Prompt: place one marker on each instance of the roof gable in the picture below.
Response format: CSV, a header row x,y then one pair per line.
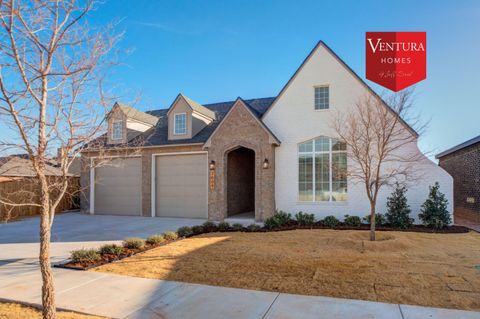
x,y
134,114
196,107
322,44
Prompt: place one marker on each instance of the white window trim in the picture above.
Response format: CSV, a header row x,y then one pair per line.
x,y
313,152
175,123
113,130
329,100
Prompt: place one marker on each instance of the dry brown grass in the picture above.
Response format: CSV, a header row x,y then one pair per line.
x,y
18,311
440,270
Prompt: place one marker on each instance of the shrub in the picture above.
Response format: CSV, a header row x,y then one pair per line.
x,y
197,229
253,227
278,219
434,211
84,255
330,221
134,243
352,221
398,211
155,239
170,235
184,231
237,227
223,226
305,218
110,249
379,219
209,226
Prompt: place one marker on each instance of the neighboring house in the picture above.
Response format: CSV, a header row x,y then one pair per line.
x,y
247,157
18,184
463,163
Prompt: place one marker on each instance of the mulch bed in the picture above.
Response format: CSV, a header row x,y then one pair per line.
x,y
109,258
292,225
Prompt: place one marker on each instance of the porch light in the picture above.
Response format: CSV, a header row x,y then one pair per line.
x,y
266,164
211,165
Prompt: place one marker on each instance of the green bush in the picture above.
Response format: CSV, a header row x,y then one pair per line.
x,y
253,227
305,218
184,231
237,227
170,235
223,226
352,221
155,239
209,227
434,211
279,218
330,221
84,255
379,219
134,243
197,229
110,249
398,211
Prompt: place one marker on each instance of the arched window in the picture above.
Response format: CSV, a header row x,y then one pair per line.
x,y
322,170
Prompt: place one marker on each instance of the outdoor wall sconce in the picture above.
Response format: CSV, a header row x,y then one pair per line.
x,y
211,166
266,164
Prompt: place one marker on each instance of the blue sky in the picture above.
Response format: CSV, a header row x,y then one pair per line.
x,y
217,50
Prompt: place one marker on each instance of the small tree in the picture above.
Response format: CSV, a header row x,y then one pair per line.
x,y
398,210
381,146
434,212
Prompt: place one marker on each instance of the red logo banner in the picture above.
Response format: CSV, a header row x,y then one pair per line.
x,y
396,60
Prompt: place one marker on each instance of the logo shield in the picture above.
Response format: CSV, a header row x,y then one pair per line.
x,y
396,60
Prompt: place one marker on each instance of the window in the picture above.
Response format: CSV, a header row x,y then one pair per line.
x,y
180,124
322,98
117,127
322,170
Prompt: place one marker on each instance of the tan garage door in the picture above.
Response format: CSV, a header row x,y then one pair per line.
x,y
181,186
118,187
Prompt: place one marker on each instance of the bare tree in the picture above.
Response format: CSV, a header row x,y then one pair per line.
x,y
381,146
52,65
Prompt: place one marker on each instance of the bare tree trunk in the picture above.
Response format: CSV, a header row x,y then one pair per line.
x,y
372,221
48,291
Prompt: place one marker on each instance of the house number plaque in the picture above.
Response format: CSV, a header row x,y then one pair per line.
x,y
212,180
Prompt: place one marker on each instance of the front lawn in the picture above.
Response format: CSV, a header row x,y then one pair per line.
x,y
18,311
440,270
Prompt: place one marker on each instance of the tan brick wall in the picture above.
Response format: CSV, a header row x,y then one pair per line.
x,y
241,129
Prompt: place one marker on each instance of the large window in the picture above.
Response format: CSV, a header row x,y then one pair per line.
x,y
117,127
322,98
180,125
322,170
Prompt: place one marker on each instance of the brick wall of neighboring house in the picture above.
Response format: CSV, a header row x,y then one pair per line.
x,y
146,154
464,166
241,129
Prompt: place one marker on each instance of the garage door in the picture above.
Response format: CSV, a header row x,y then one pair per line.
x,y
118,187
181,186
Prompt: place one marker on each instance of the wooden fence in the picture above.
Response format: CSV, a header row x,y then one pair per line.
x,y
26,190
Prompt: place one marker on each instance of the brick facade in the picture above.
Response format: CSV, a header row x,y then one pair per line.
x,y
464,166
241,129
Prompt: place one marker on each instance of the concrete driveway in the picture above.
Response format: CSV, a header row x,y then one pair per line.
x,y
19,240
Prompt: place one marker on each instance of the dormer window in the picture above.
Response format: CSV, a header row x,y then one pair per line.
x,y
180,124
117,127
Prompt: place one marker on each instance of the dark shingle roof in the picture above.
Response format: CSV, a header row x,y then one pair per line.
x,y
159,134
458,147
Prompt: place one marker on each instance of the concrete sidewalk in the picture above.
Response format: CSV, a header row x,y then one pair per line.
x,y
129,297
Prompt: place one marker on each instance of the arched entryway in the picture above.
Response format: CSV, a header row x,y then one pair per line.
x,y
241,183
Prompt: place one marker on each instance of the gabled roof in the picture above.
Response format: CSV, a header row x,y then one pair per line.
x,y
196,107
255,114
137,115
458,147
355,75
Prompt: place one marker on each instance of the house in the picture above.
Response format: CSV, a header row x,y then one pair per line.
x,y
18,184
463,163
246,157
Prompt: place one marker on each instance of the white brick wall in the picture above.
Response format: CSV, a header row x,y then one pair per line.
x,y
293,120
